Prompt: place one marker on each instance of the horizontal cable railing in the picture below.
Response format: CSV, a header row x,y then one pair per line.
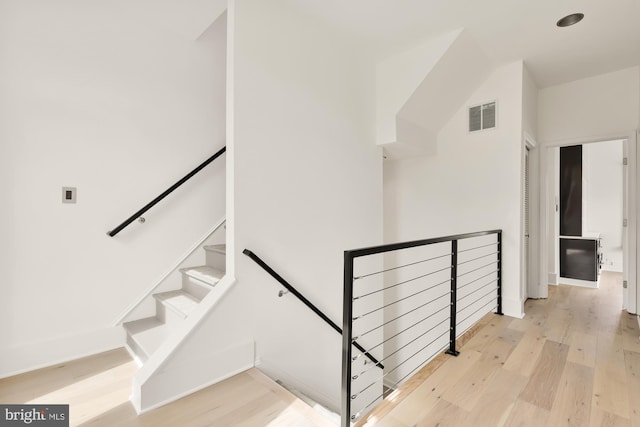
x,y
407,302
168,191
308,303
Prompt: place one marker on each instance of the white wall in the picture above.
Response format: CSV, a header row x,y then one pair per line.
x,y
447,86
602,168
308,185
119,100
397,78
592,107
472,184
418,91
529,104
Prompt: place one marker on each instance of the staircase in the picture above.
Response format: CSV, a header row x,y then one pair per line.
x,y
145,336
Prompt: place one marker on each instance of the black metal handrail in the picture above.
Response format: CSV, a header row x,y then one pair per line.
x,y
152,203
451,299
306,302
372,250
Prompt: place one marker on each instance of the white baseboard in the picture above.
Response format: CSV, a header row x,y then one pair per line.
x,y
512,307
616,268
552,278
27,357
581,283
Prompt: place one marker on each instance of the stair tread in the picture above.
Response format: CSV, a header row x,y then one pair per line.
x,y
204,273
148,333
222,248
179,300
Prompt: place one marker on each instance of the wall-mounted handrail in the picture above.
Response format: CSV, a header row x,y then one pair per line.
x,y
152,203
306,302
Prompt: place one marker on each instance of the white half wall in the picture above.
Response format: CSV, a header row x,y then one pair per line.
x,y
119,100
192,358
471,184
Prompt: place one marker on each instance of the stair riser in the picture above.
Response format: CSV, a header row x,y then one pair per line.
x,y
136,349
195,287
168,316
216,260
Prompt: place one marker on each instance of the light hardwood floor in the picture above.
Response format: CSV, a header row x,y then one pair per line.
x,y
573,360
97,389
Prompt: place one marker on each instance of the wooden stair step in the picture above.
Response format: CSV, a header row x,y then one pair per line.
x,y
204,273
221,249
145,336
180,301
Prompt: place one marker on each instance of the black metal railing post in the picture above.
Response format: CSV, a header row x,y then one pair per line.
x,y
454,299
499,309
347,336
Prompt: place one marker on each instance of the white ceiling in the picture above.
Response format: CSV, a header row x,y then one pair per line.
x,y
607,39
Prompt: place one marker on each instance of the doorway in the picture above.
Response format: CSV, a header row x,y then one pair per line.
x,y
618,238
527,210
531,239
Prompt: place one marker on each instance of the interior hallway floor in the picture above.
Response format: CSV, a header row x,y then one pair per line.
x,y
97,389
574,360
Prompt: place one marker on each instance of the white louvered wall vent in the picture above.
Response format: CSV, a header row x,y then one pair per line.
x,y
482,116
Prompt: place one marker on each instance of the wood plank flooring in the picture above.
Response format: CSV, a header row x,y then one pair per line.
x,y
97,389
574,360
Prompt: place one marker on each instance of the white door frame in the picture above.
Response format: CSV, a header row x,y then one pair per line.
x,y
546,204
529,285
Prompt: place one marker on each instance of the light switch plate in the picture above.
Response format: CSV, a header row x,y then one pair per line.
x,y
69,194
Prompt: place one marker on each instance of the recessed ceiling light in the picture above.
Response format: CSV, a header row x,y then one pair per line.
x,y
569,20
